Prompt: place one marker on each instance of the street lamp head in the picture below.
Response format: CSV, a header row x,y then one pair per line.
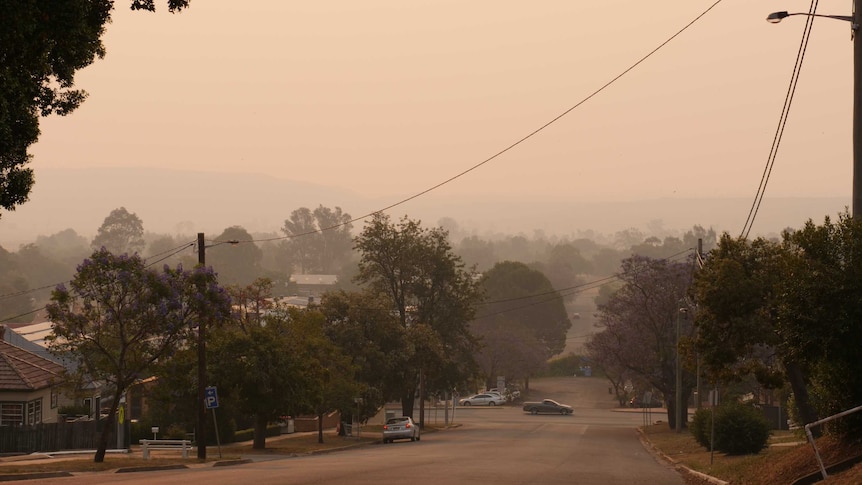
x,y
776,17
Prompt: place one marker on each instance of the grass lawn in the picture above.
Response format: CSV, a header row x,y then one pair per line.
x,y
282,445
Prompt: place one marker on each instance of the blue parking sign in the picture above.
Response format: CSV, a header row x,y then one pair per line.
x,y
211,399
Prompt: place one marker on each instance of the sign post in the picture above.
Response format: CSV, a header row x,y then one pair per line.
x,y
211,402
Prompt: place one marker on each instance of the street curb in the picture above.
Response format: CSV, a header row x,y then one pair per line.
x,y
677,465
154,468
241,461
33,476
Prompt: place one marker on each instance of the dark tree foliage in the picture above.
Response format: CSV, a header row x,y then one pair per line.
x,y
234,257
788,311
117,319
319,241
523,323
431,293
363,325
639,325
43,44
121,232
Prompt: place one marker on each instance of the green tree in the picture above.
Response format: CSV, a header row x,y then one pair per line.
x,y
787,312
43,272
523,323
42,46
235,263
477,252
65,246
14,288
363,325
121,232
318,241
277,367
336,239
432,294
118,318
638,326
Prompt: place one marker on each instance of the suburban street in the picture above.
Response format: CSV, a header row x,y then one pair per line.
x,y
500,445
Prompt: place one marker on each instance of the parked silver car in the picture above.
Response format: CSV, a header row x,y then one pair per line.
x,y
400,428
482,399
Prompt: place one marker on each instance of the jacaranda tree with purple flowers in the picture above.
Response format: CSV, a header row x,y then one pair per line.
x,y
118,318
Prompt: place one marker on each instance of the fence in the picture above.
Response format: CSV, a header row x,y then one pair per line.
x,y
46,437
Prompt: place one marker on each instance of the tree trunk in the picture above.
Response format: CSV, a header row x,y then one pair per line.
x,y
320,427
422,399
106,429
806,411
407,401
260,422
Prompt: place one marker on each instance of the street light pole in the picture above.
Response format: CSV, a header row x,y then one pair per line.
x,y
854,20
201,432
857,110
678,374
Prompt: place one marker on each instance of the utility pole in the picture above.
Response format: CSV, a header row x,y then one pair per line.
x,y
678,376
201,432
857,109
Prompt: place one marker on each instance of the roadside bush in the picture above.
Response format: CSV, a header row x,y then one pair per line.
x,y
740,429
700,426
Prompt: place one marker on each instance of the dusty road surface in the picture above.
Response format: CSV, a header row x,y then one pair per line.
x,y
499,445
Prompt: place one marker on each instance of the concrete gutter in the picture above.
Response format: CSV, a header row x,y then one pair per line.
x,y
677,465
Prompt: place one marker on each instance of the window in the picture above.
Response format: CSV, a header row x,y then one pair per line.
x,y
34,412
55,396
11,413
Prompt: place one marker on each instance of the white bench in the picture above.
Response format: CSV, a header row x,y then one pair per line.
x,y
147,445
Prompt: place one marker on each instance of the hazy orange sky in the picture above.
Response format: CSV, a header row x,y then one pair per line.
x,y
388,98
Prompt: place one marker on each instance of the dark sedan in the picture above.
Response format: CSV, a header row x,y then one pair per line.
x,y
547,406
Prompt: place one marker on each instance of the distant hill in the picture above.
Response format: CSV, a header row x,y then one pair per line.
x,y
185,202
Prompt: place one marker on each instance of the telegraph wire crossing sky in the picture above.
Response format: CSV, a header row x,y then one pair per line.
x,y
385,99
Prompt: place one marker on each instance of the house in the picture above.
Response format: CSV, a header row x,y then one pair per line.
x,y
313,286
29,387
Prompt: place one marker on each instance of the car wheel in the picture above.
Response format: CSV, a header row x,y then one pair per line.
x,y
418,437
413,438
534,411
491,403
384,441
466,403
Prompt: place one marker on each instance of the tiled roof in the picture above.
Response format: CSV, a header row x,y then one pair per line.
x,y
21,370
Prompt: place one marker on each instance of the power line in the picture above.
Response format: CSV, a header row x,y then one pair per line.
x,y
511,146
173,252
782,121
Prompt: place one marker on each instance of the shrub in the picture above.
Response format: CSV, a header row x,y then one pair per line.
x,y
739,428
700,426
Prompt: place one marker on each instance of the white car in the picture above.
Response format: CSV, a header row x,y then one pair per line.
x,y
483,399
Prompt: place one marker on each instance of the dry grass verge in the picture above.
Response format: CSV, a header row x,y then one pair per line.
x,y
782,463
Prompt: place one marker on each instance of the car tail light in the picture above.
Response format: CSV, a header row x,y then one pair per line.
x,y
406,425
385,426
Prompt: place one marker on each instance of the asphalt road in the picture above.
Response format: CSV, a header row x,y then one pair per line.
x,y
493,445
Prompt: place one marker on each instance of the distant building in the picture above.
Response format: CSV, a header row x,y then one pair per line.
x,y
313,285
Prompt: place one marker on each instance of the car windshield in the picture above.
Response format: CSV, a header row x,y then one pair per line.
x,y
396,420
